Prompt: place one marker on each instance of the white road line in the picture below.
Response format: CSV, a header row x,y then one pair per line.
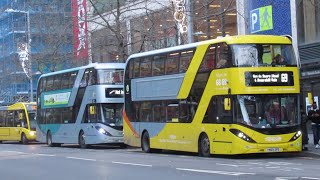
x,y
216,172
309,178
15,152
133,164
232,165
285,178
81,159
49,155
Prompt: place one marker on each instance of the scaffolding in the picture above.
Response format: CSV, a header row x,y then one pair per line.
x,y
20,22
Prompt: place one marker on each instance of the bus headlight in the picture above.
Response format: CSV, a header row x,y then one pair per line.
x,y
102,131
296,136
32,133
241,135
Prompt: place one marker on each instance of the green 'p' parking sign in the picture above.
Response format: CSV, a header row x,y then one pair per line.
x,y
261,19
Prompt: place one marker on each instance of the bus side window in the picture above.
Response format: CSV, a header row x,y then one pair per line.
x,y
223,57
85,79
158,65
65,80
146,112
145,67
57,82
185,60
72,79
92,77
172,63
136,68
208,62
173,111
49,85
22,118
130,72
2,118
159,112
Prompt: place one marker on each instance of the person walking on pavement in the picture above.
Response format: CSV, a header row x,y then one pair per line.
x,y
314,116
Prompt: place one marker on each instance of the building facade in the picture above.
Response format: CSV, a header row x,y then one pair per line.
x,y
137,26
33,40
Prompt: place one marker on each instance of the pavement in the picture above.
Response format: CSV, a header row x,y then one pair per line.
x,y
311,147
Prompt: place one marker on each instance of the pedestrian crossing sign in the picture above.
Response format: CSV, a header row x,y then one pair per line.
x,y
261,19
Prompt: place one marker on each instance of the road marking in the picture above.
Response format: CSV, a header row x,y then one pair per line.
x,y
49,155
133,164
286,178
216,172
81,159
15,152
232,165
309,178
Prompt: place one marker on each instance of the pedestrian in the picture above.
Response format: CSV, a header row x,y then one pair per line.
x,y
314,116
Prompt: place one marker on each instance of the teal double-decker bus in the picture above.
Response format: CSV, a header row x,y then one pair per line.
x,y
81,105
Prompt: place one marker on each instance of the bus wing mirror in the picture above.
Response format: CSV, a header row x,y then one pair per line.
x,y
227,104
92,110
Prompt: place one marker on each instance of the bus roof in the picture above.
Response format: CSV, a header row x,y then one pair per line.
x,y
92,65
241,39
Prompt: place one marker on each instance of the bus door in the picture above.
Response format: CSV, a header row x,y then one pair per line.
x,y
14,123
220,114
91,116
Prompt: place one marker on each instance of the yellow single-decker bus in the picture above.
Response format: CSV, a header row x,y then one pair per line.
x,y
17,122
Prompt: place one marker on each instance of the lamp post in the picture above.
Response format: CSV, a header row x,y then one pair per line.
x,y
28,71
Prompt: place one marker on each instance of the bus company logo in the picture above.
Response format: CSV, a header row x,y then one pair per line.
x,y
273,139
172,136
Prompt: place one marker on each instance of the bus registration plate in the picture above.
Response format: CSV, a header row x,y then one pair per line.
x,y
273,150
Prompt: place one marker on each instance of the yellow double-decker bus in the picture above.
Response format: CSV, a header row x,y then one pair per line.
x,y
231,95
17,122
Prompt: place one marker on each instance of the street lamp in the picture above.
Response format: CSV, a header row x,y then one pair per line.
x,y
27,57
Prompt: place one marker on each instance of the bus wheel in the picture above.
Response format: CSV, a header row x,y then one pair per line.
x,y
204,146
24,139
82,142
145,142
0,142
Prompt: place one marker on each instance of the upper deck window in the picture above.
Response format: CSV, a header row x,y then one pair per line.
x,y
110,76
251,55
185,60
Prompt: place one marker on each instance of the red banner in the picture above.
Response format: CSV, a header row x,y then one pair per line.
x,y
80,29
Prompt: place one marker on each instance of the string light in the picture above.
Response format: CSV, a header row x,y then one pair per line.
x,y
180,16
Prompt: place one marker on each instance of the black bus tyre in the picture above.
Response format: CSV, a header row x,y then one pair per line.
x,y
82,142
204,145
145,142
24,139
